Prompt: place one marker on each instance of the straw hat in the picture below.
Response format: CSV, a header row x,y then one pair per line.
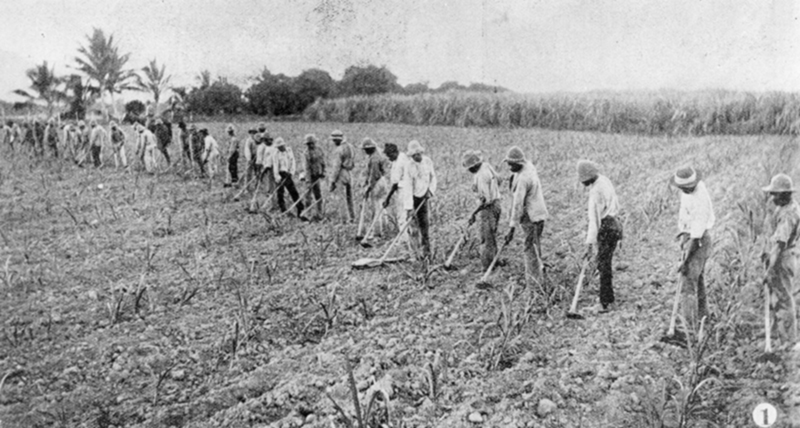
x,y
230,128
515,155
414,147
471,158
780,183
367,143
686,178
587,170
337,135
279,142
311,139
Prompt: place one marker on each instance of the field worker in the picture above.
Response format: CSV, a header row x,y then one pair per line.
x,y
233,155
527,210
784,223
284,167
118,146
147,147
51,136
186,150
197,144
485,183
16,135
315,171
163,132
250,155
423,183
400,179
343,163
375,184
98,139
8,134
604,231
268,154
210,153
695,220
38,136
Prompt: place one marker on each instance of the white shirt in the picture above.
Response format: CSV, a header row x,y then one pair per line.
x,y
211,147
485,183
602,203
265,155
696,214
284,162
401,175
248,154
423,177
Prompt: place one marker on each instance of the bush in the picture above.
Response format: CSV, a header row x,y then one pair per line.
x,y
219,97
133,111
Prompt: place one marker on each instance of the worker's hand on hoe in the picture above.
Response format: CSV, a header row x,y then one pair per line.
x,y
509,236
386,203
683,238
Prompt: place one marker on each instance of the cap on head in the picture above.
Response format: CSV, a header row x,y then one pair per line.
x,y
414,148
230,128
390,148
780,183
367,143
262,126
587,170
311,139
113,124
252,131
337,135
279,142
193,126
515,155
471,158
93,123
686,178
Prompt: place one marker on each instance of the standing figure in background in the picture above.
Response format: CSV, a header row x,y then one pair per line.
x,y
8,134
147,147
695,220
423,183
284,168
233,156
98,139
250,156
400,178
604,231
51,137
315,172
38,137
118,146
186,149
486,184
163,132
343,163
198,146
528,210
83,143
210,153
375,184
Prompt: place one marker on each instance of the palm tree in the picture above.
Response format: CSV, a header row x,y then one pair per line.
x,y
44,84
103,63
155,80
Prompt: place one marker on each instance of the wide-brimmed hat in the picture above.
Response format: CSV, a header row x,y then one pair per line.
x,y
311,139
414,147
780,183
587,170
230,128
261,126
471,158
279,142
367,143
113,124
337,135
686,178
515,155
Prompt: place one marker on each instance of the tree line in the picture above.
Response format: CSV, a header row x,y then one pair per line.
x,y
101,72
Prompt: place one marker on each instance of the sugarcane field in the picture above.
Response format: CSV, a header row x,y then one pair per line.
x,y
189,244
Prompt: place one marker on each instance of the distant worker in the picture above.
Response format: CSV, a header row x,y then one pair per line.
x,y
695,220
423,179
400,179
528,210
210,153
784,225
343,163
118,146
284,167
51,137
604,231
376,185
98,139
8,135
147,147
315,172
163,132
233,156
486,184
250,156
268,155
197,145
186,149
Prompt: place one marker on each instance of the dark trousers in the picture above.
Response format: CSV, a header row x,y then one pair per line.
x,y
489,217
163,150
233,167
53,147
348,193
423,224
96,155
288,185
607,238
533,248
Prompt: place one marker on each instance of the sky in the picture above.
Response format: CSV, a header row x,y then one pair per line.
x,y
524,45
